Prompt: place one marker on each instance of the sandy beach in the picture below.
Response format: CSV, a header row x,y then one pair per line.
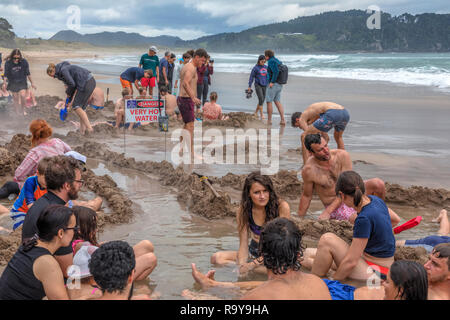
x,y
397,133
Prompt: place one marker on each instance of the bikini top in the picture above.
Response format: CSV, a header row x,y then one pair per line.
x,y
256,229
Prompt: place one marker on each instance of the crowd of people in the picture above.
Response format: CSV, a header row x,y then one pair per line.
x,y
59,232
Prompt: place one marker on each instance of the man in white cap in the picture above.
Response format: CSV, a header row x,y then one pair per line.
x,y
150,61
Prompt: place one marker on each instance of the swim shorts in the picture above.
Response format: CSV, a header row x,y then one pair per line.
x,y
428,242
125,83
340,291
342,213
381,271
274,94
337,118
82,97
186,107
148,82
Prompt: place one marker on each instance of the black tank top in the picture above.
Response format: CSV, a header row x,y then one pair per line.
x,y
18,281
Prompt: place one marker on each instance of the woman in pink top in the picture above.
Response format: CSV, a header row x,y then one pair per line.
x,y
212,110
43,146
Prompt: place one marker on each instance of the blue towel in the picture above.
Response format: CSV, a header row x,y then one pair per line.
x,y
340,291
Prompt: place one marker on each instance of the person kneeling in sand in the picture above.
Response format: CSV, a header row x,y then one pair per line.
x,y
320,117
259,204
212,110
281,254
320,173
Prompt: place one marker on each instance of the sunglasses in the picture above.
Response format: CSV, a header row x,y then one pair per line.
x,y
79,181
16,58
75,229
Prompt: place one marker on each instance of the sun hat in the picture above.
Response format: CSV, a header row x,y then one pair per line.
x,y
76,155
80,267
154,49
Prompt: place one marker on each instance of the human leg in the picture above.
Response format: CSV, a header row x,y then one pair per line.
x,y
281,111
444,225
338,138
331,249
224,257
269,112
84,121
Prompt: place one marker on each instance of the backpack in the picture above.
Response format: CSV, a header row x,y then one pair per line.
x,y
282,74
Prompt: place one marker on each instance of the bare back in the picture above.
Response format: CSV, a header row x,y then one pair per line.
x,y
189,71
313,112
295,285
324,178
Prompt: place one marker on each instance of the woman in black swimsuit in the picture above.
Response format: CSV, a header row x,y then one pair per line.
x,y
259,204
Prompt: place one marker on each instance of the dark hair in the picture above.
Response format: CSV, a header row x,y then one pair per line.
x,y
261,57
247,203
42,165
60,169
280,246
50,221
163,88
166,53
213,96
312,138
87,223
186,56
294,117
111,265
269,53
200,53
13,53
351,184
411,280
443,249
172,55
150,72
191,52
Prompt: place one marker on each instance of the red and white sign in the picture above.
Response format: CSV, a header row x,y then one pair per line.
x,y
143,110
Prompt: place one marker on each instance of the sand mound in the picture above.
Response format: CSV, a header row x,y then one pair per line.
x,y
7,162
417,254
8,246
236,120
316,228
417,196
13,153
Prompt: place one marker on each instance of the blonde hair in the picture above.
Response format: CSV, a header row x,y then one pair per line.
x,y
39,129
51,68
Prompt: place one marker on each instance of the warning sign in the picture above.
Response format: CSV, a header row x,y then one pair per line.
x,y
145,110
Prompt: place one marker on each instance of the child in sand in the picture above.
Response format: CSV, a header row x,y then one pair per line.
x,y
87,236
170,102
212,110
142,93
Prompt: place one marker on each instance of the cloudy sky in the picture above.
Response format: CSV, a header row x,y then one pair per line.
x,y
188,19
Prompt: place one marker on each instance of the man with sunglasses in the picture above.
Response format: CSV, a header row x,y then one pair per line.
x,y
17,70
63,180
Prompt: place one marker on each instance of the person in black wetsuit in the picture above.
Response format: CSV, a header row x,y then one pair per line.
x,y
259,205
33,272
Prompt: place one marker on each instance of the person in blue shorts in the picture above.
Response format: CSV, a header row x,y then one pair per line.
x,y
321,117
431,241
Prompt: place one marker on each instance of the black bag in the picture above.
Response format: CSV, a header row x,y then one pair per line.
x,y
282,74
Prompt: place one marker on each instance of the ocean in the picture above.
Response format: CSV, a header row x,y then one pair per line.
x,y
425,69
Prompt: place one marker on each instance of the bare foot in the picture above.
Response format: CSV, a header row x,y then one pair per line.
x,y
282,123
205,281
442,214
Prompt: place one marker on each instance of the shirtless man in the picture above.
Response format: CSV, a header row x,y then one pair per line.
x,y
170,101
119,107
280,245
320,117
320,174
188,93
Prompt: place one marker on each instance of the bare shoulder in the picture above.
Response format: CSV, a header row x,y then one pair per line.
x,y
340,153
308,170
284,209
320,291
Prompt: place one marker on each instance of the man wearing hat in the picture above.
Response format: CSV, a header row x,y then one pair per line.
x,y
150,61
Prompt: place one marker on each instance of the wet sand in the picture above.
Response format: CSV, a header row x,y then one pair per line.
x,y
148,198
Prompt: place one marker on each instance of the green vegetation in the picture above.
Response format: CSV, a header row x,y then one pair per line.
x,y
338,32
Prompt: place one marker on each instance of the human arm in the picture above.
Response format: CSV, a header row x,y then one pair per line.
x,y
27,167
69,81
326,214
252,77
47,270
28,189
395,219
351,259
308,188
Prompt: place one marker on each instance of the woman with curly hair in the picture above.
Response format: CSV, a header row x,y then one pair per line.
x,y
259,205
